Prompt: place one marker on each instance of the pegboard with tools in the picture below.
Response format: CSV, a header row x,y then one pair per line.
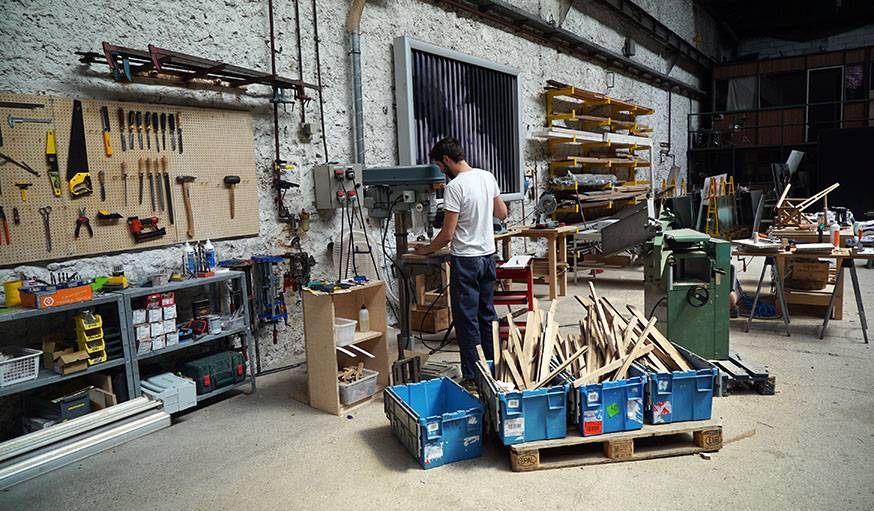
x,y
130,166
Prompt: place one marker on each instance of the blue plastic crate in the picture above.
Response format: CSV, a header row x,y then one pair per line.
x,y
523,416
679,395
611,406
437,421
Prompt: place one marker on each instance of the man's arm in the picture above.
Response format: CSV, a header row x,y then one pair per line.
x,y
500,208
450,222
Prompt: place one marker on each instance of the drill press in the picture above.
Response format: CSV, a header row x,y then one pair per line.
x,y
398,192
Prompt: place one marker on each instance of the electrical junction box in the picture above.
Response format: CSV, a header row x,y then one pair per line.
x,y
334,181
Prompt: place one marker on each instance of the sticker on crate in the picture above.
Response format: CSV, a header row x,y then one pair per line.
x,y
613,410
635,409
514,427
468,441
659,410
593,422
433,452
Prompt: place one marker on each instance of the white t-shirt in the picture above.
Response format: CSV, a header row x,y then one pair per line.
x,y
472,195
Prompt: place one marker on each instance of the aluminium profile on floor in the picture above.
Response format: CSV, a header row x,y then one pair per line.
x,y
108,434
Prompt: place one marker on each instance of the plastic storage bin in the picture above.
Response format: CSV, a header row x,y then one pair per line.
x,y
358,390
436,420
611,406
523,416
344,331
23,366
175,392
679,395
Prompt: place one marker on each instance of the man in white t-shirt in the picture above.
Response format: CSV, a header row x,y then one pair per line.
x,y
470,201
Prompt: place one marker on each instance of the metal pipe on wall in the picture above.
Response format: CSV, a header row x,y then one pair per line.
x,y
353,27
273,71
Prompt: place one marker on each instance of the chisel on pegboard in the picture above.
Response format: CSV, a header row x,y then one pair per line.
x,y
151,183
140,173
104,120
121,128
179,129
155,127
131,123
164,129
167,187
172,120
158,185
148,130
140,129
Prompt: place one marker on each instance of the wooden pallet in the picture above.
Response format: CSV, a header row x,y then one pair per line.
x,y
649,442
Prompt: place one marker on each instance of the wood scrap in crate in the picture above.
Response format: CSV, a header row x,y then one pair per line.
x,y
607,345
351,374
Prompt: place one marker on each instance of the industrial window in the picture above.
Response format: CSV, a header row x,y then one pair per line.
x,y
781,89
442,93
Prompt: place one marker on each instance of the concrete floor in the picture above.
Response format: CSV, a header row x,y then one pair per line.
x,y
812,448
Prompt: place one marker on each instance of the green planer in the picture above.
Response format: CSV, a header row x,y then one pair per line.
x,y
687,280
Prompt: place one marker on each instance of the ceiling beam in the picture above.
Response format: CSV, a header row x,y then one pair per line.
x,y
520,22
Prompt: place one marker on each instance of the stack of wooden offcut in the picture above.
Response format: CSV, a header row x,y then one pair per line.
x,y
607,345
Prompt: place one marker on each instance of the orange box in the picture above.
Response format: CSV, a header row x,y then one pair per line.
x,y
56,298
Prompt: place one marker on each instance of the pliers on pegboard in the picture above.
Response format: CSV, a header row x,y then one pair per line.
x,y
5,230
83,220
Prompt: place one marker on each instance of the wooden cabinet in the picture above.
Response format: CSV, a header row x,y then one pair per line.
x,y
324,361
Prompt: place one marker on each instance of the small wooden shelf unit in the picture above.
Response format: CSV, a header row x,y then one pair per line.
x,y
324,361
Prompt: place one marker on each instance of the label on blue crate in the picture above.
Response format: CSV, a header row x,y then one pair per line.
x,y
592,397
433,452
659,410
635,409
514,427
512,403
433,426
663,385
593,422
613,410
471,420
471,440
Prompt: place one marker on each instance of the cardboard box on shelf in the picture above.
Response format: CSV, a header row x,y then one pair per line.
x,y
101,399
155,315
139,316
168,299
170,311
169,326
158,342
172,338
144,346
72,362
157,328
143,332
51,351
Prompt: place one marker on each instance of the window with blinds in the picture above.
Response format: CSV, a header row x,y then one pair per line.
x,y
443,93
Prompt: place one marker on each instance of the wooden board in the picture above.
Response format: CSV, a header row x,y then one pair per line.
x,y
649,442
216,143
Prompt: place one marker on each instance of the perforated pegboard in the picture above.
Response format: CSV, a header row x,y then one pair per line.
x,y
216,143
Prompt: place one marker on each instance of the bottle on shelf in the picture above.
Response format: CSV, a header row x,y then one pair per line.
x,y
363,319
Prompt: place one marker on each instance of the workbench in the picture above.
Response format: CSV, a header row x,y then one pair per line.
x,y
816,298
555,272
832,295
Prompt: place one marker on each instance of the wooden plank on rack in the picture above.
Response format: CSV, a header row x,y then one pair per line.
x,y
594,376
561,367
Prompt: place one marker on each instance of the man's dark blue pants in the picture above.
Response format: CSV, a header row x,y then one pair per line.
x,y
472,291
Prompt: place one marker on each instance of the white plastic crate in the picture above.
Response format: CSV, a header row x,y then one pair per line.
x,y
344,331
23,366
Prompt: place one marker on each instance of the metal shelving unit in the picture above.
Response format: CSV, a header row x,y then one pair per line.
x,y
47,377
130,294
131,360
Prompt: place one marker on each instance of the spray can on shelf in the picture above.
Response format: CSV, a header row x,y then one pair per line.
x,y
189,259
209,256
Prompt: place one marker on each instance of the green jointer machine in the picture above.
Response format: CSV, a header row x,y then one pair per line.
x,y
687,280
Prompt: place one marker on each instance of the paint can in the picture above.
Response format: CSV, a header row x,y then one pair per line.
x,y
200,308
213,324
12,288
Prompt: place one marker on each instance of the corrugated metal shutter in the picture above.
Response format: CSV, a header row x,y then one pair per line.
x,y
476,105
